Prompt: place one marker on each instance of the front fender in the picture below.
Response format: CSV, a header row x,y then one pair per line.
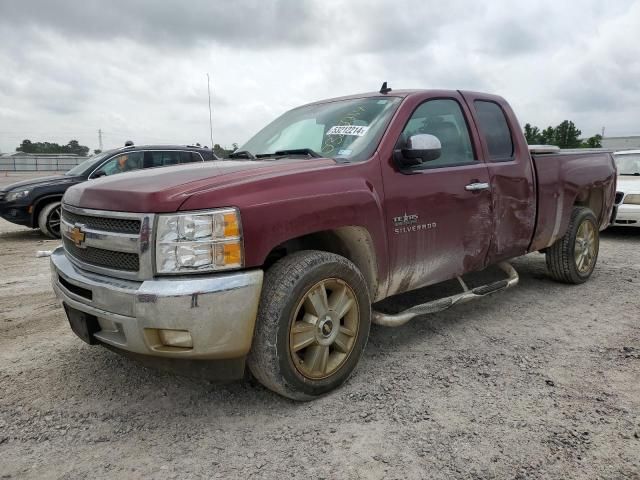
x,y
277,209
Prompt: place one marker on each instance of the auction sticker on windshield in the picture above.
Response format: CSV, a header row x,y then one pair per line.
x,y
355,130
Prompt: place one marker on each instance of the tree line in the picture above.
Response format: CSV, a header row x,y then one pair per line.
x,y
73,147
224,152
565,135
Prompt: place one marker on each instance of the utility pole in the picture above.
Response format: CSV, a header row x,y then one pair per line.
x,y
100,138
602,132
210,118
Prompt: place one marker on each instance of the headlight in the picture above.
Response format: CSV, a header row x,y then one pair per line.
x,y
199,242
17,195
633,199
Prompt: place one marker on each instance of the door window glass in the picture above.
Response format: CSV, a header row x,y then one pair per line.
x,y
443,119
124,162
190,157
495,129
164,158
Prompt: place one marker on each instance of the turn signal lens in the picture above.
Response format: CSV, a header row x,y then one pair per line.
x,y
232,254
231,226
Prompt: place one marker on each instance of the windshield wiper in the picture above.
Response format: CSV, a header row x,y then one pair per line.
x,y
636,174
242,154
293,151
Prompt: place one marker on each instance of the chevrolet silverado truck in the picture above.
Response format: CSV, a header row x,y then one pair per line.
x,y
275,258
35,203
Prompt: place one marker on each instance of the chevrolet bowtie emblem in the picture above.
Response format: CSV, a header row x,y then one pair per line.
x,y
76,235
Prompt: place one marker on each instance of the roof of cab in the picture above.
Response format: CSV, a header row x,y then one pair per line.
x,y
402,94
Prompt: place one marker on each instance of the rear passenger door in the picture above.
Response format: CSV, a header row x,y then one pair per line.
x,y
511,176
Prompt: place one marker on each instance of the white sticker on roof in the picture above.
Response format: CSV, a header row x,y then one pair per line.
x,y
355,130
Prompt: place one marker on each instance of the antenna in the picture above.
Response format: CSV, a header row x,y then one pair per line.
x,y
210,120
384,89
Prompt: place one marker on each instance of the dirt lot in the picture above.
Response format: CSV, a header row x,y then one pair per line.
x,y
542,381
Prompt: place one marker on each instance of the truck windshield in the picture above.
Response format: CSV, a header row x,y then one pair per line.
x,y
347,129
628,164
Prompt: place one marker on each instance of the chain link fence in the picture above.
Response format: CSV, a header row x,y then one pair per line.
x,y
37,163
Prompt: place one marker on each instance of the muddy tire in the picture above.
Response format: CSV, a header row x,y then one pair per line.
x,y
572,258
49,220
312,326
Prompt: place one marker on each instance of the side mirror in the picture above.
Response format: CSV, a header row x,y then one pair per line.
x,y
419,149
98,174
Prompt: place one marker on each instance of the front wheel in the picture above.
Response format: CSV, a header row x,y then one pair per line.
x,y
572,258
312,326
49,220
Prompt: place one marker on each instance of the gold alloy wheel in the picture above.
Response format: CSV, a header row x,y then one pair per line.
x,y
585,247
324,329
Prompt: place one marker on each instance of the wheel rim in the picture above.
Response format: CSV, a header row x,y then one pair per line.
x,y
324,328
585,246
53,222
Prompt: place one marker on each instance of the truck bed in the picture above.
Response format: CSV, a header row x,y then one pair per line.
x,y
566,178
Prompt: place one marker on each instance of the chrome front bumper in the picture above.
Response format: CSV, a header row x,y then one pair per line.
x,y
218,310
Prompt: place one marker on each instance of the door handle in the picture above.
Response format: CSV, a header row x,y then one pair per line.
x,y
475,187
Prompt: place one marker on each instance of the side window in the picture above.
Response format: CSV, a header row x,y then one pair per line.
x,y
163,159
124,162
495,129
443,119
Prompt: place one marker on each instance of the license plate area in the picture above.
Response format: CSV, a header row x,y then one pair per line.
x,y
83,324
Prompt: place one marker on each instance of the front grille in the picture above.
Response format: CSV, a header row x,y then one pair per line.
x,y
115,225
129,262
619,196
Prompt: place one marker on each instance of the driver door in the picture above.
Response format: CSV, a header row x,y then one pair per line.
x,y
439,215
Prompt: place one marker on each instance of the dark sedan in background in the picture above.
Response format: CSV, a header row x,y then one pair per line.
x,y
36,203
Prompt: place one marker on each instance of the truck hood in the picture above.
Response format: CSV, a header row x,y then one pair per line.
x,y
628,184
38,181
165,189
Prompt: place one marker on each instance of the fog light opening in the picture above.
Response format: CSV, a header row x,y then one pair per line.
x,y
175,338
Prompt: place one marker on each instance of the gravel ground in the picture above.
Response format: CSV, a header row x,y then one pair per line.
x,y
542,381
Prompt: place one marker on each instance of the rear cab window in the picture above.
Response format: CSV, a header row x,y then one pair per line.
x,y
494,128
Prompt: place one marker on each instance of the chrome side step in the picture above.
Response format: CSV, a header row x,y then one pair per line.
x,y
447,302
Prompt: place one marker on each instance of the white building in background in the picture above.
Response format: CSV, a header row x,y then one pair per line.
x,y
621,143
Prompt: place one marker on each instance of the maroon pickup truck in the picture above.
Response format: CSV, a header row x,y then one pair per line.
x,y
273,258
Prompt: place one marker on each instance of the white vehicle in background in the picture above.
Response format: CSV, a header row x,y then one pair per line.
x,y
627,201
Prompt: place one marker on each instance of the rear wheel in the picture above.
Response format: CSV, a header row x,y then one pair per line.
x,y
313,323
573,257
49,220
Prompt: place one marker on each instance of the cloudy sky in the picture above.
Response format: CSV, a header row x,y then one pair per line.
x,y
137,69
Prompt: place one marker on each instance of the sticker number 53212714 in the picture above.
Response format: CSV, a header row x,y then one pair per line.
x,y
355,130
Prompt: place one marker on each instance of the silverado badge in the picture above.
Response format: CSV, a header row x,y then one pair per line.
x,y
409,223
76,235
